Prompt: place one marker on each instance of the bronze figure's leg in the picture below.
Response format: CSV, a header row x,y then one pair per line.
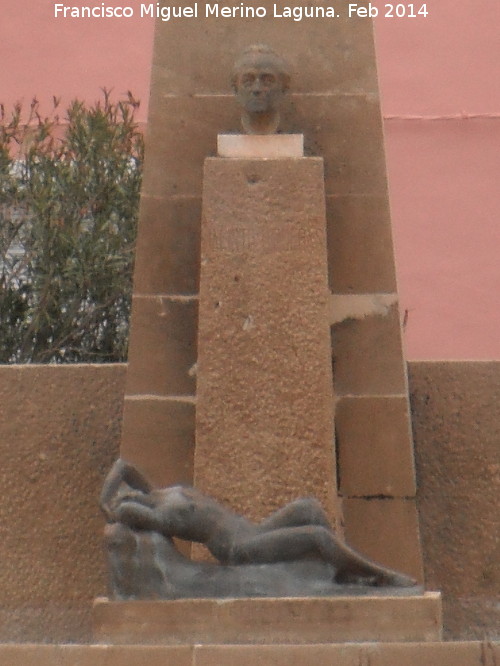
x,y
306,511
290,543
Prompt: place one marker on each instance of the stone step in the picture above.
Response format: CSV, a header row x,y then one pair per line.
x,y
269,620
341,654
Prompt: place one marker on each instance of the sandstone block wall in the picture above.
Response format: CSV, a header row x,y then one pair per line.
x,y
456,422
59,433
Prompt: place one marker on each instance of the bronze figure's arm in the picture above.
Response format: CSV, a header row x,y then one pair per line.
x,y
121,473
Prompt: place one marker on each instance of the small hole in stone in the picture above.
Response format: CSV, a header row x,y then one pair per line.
x,y
236,278
217,304
253,178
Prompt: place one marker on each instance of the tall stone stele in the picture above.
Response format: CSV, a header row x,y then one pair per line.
x,y
335,104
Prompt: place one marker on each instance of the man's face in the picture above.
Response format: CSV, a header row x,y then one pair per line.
x,y
258,86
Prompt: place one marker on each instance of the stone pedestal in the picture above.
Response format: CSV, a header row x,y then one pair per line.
x,y
282,622
264,413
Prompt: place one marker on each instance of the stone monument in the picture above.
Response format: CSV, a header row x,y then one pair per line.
x,y
334,103
264,423
262,297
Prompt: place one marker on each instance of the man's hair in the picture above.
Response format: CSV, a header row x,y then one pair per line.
x,y
254,51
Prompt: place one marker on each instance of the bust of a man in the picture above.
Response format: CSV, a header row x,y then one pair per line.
x,y
260,79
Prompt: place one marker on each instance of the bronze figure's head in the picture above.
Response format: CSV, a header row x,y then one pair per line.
x,y
260,79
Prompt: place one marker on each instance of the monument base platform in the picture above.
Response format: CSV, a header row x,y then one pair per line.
x,y
260,621
470,653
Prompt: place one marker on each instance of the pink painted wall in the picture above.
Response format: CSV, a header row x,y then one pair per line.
x,y
44,56
440,89
443,166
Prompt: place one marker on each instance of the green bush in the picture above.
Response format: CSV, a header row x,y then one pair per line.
x,y
69,195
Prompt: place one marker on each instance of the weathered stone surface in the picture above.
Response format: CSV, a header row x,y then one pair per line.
x,y
174,165
456,419
279,655
96,655
168,255
59,432
349,654
432,654
375,448
264,432
346,130
368,355
386,530
269,621
360,253
162,346
342,654
158,435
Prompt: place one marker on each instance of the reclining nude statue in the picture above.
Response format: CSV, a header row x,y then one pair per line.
x,y
294,552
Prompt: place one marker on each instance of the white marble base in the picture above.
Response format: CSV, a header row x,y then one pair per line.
x,y
270,146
